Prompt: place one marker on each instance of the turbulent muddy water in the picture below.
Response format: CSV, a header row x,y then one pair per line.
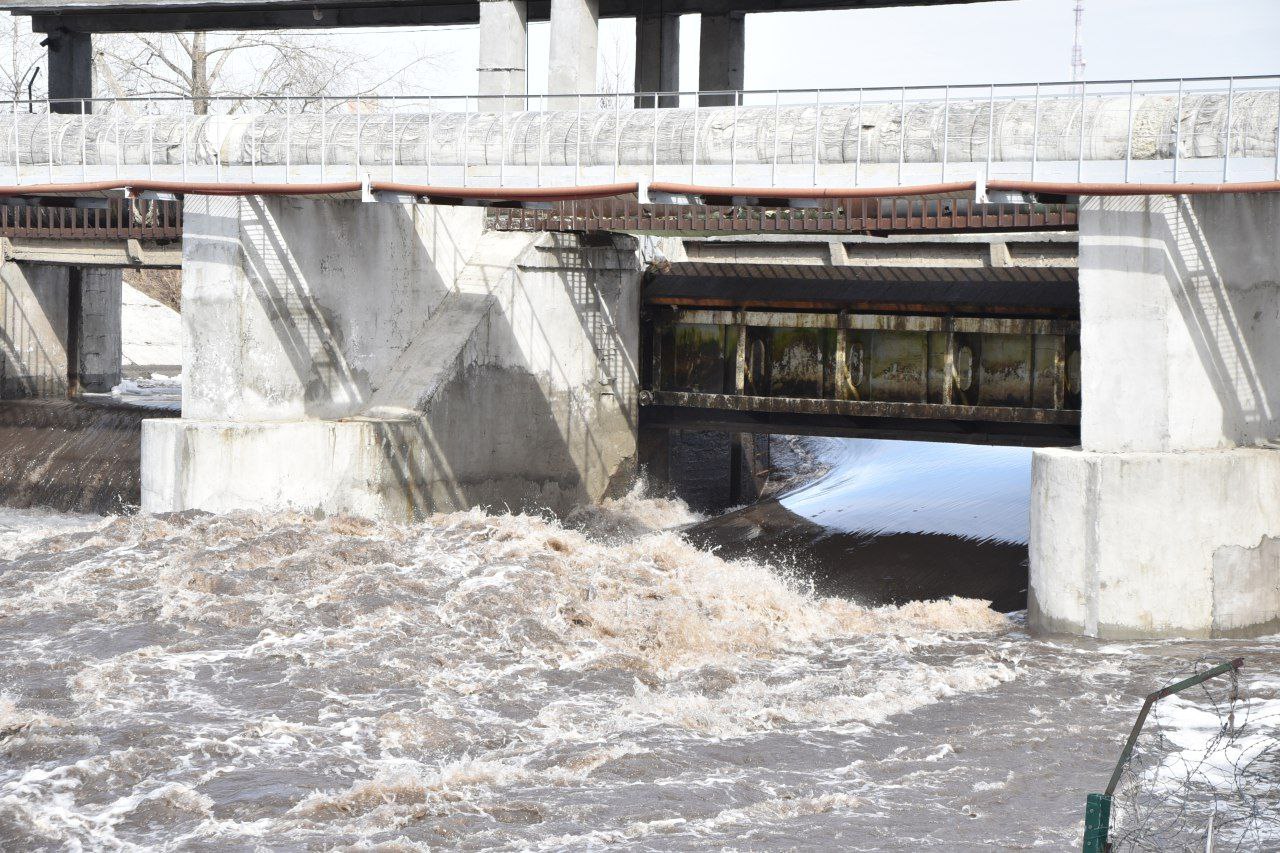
x,y
505,682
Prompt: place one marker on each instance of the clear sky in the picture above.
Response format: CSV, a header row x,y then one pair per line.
x,y
1007,41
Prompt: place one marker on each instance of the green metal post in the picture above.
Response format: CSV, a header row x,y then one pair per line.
x,y
1097,807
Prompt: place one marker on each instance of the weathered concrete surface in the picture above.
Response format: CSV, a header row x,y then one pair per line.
x,y
33,330
504,43
99,350
1155,544
394,360
1180,314
1163,523
42,327
575,35
722,46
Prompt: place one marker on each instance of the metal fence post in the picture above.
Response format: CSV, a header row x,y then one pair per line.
x,y
857,159
1128,141
817,132
653,176
1080,151
48,136
577,145
17,158
733,146
777,119
359,136
693,169
288,137
431,106
902,131
991,127
946,136
617,134
466,137
1226,149
1177,134
84,142
1277,172
1035,134
324,141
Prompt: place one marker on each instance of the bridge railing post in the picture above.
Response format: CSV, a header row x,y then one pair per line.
x,y
777,120
84,144
48,136
1080,150
1177,133
1226,144
1128,141
1035,133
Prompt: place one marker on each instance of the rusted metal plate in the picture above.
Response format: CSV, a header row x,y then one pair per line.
x,y
885,322
152,220
1004,370
860,408
832,216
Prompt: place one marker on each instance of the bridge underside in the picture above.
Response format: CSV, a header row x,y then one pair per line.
x,y
933,353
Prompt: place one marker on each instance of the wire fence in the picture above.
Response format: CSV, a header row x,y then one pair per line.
x,y
1190,130
1205,773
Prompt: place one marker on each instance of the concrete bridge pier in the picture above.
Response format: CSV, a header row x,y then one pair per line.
x,y
1166,522
392,360
59,329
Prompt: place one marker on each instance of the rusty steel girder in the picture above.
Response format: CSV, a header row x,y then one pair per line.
x,y
769,366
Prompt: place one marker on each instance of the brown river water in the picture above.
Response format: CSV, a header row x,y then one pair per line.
x,y
506,682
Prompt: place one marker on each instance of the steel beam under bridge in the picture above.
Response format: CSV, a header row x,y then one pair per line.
x,y
971,355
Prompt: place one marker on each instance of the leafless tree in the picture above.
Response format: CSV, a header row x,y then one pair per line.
x,y
222,72
22,70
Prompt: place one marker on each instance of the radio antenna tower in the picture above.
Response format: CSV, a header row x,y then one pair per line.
x,y
1077,50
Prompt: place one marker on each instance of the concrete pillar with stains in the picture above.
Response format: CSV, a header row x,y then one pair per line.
x,y
1166,521
721,57
575,34
504,45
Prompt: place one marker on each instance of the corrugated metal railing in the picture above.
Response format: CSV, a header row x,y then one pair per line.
x,y
860,215
112,219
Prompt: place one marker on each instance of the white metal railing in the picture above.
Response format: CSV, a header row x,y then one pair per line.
x,y
1188,130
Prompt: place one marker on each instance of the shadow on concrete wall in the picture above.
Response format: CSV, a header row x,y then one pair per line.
x,y
515,432
33,332
1219,257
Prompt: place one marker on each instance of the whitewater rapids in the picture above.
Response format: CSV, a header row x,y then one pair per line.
x,y
510,682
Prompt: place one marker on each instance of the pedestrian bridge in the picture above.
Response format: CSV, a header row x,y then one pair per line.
x,y
1142,131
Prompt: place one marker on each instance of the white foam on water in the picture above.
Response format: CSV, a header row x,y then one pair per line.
x,y
498,682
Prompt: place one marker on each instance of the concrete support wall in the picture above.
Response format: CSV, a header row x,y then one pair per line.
x,y
395,360
33,330
575,35
504,45
1165,521
657,57
70,71
721,56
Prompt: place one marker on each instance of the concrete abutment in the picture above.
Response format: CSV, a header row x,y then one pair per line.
x,y
394,360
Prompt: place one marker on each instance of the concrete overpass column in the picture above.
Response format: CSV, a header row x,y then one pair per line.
x,y
70,58
721,56
504,41
657,56
575,26
1166,522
